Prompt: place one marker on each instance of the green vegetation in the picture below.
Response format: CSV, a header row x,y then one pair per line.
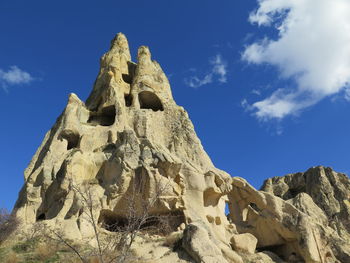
x,y
35,251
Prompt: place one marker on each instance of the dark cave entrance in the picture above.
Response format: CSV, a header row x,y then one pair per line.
x,y
41,217
128,100
282,251
129,77
149,100
106,117
161,224
72,138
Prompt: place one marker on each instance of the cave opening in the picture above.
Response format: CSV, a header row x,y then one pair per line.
x,y
149,100
73,141
129,77
293,192
72,138
41,217
128,100
255,207
105,117
162,224
278,249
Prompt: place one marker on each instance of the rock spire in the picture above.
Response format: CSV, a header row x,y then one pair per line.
x,y
130,136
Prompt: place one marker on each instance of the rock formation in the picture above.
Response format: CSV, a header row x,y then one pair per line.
x,y
324,196
131,137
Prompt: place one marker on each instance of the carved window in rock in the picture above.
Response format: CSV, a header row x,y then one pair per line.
x,y
72,138
105,117
128,78
41,217
149,100
128,100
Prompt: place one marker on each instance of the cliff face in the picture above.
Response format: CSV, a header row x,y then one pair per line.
x,y
323,195
130,137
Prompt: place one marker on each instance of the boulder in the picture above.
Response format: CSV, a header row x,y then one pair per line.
x,y
197,242
245,243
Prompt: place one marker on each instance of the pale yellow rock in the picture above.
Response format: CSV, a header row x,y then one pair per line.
x,y
294,228
321,193
265,257
130,132
129,128
245,243
198,243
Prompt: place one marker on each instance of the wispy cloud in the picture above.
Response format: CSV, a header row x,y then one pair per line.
x,y
245,105
14,76
217,73
196,82
347,94
219,68
256,92
312,49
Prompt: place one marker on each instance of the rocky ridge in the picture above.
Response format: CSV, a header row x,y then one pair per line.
x,y
130,136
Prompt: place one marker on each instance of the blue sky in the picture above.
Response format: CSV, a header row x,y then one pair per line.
x,y
267,91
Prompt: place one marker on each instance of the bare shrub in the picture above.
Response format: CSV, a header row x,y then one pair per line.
x,y
115,247
60,239
35,232
8,224
139,218
45,251
12,258
89,203
93,259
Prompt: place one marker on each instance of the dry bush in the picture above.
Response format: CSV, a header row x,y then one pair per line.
x,y
8,224
94,259
116,248
12,258
35,232
70,259
45,251
138,219
57,237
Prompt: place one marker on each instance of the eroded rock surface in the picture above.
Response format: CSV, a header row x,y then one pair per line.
x,y
129,133
324,196
130,137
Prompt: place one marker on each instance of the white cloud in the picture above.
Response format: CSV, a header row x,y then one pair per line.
x,y
244,103
256,92
195,82
219,68
347,93
312,48
217,73
14,76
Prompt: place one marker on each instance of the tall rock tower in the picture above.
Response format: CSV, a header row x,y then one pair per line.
x,y
130,137
130,129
